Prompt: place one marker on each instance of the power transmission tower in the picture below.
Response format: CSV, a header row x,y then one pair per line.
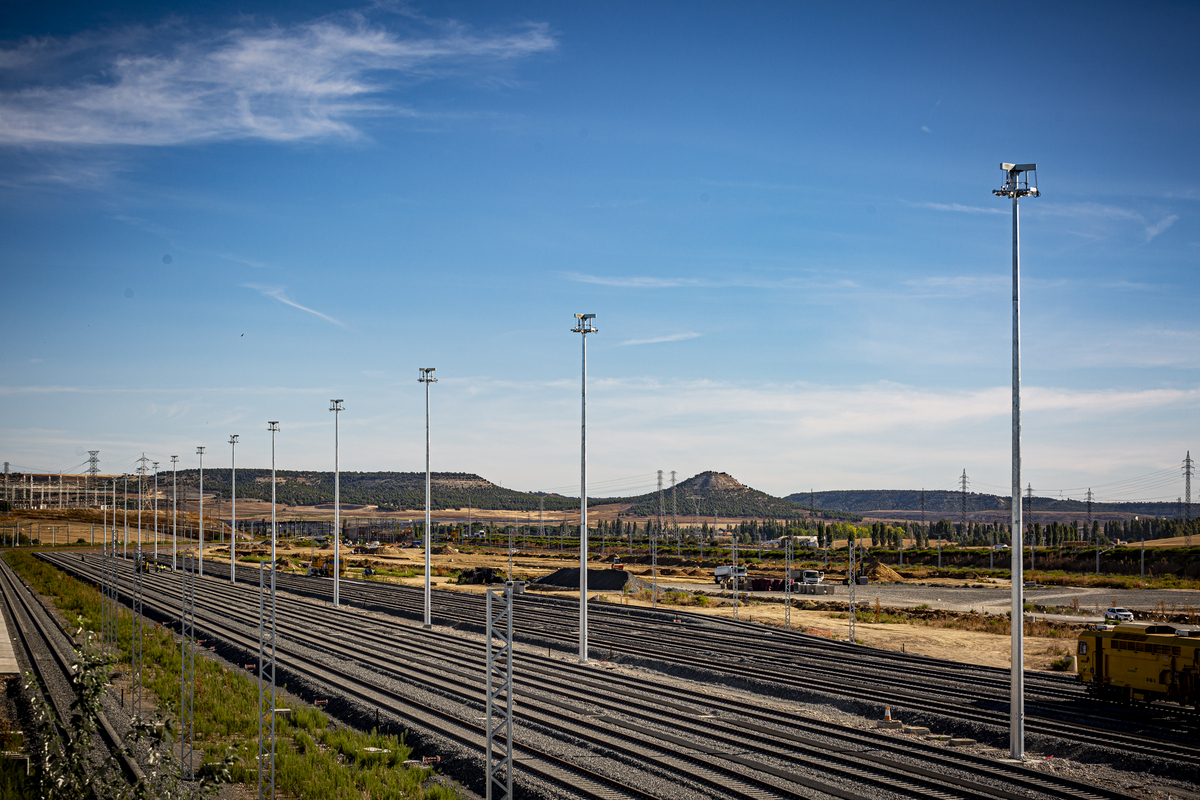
x,y
1187,498
963,484
654,545
787,583
92,471
850,570
661,506
542,520
141,471
675,520
1090,497
695,498
1029,503
1029,523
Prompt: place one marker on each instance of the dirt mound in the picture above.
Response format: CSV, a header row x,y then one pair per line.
x,y
484,575
607,580
443,550
388,550
882,573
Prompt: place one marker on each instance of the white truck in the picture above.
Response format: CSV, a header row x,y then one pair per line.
x,y
727,575
811,576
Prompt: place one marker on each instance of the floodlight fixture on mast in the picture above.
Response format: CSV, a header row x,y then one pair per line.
x,y
336,407
427,378
200,545
233,440
583,326
1017,184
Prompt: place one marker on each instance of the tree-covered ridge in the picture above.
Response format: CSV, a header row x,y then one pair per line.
x,y
719,494
862,501
716,493
390,491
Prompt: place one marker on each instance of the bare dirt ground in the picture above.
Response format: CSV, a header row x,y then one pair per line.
x,y
956,645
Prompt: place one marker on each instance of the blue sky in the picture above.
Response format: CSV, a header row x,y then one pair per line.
x,y
780,213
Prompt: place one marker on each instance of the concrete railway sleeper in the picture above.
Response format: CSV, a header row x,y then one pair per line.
x,y
893,776
37,631
750,640
606,629
864,767
433,719
735,734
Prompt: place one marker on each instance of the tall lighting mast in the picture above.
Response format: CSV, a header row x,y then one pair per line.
x,y
233,440
174,513
273,427
427,378
583,326
1016,186
200,545
336,407
155,465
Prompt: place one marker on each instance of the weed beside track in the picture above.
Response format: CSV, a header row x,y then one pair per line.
x,y
316,758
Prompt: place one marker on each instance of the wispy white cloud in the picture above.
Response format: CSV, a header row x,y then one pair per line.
x,y
654,282
240,260
1133,285
926,129
674,337
753,431
159,87
1100,217
957,285
9,390
276,293
960,208
1160,226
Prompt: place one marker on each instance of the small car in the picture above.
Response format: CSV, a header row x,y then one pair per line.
x,y
1118,614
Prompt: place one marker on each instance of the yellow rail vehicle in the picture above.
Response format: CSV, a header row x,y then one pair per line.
x,y
1142,661
322,567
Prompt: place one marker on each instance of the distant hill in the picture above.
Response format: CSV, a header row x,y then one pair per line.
x,y
390,491
947,503
715,493
719,493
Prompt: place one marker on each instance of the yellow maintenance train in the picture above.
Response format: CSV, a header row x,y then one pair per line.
x,y
1142,662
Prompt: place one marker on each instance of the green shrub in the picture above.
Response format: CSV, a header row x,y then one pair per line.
x,y
314,759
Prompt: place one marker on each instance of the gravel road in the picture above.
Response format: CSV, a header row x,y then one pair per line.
x,y
995,599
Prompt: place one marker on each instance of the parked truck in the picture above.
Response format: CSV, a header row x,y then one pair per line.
x,y
727,576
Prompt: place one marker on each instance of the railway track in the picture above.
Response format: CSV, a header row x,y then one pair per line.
x,y
683,742
46,650
1055,708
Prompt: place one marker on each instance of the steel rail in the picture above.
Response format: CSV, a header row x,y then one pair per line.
x,y
886,776
23,615
896,773
581,781
921,701
938,781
